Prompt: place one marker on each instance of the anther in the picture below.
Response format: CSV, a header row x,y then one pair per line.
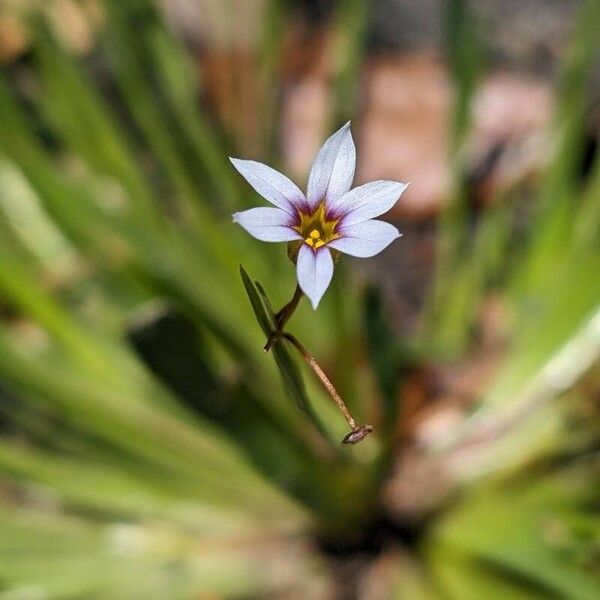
x,y
315,234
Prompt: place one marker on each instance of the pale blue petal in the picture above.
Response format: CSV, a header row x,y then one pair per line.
x,y
366,201
314,270
333,170
365,239
267,224
271,185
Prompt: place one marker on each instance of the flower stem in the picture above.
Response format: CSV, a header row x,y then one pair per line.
x,y
283,316
358,432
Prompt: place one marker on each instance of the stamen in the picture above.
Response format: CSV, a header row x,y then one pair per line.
x,y
315,228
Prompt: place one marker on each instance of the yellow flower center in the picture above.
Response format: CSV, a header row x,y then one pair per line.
x,y
315,228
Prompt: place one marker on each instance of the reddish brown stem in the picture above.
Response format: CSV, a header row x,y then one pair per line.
x,y
283,316
358,432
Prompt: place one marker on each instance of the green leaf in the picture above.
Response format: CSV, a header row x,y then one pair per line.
x,y
292,379
257,306
522,541
351,24
288,368
383,349
461,577
266,300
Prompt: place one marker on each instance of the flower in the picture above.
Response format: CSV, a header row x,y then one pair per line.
x,y
331,216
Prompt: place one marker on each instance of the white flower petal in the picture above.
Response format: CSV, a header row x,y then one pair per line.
x,y
314,271
366,201
365,239
267,224
333,170
271,185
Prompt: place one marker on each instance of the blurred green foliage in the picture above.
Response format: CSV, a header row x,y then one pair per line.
x,y
149,449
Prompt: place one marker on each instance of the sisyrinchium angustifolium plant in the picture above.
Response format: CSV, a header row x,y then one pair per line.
x,y
330,219
148,450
